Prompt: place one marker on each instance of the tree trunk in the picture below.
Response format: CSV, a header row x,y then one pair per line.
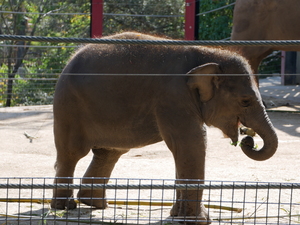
x,y
21,29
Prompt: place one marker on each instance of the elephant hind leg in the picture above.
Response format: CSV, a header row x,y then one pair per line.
x,y
63,198
65,166
99,172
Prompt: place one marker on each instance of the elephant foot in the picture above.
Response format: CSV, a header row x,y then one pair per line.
x,y
202,218
175,210
84,196
63,203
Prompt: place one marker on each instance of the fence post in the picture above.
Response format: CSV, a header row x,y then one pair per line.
x,y
96,18
290,68
191,20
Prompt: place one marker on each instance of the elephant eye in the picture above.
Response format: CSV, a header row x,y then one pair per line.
x,y
245,102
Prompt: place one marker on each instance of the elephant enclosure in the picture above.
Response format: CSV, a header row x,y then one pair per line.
x,y
142,190
28,151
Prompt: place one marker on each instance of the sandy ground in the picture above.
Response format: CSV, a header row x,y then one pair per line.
x,y
224,162
23,158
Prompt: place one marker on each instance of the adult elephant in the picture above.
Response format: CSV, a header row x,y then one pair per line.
x,y
265,20
112,114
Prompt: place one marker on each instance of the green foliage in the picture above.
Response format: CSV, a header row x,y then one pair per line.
x,y
271,64
166,26
40,66
215,25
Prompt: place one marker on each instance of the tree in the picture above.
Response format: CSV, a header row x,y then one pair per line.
x,y
37,17
215,25
16,23
164,18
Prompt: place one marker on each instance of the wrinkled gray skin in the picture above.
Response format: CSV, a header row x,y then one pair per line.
x,y
112,114
265,20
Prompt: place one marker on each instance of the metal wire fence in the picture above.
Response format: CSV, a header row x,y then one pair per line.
x,y
142,201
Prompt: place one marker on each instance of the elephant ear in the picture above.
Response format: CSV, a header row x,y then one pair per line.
x,y
205,84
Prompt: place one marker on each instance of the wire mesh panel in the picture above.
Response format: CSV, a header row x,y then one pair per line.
x,y
141,201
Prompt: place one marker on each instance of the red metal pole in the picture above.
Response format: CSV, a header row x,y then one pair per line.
x,y
190,15
96,18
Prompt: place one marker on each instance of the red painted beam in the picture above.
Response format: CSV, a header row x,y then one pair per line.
x,y
190,15
96,18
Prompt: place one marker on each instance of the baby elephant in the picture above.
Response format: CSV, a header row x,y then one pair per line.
x,y
96,109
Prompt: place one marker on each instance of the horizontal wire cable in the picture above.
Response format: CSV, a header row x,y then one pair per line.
x,y
45,14
117,74
153,186
217,9
150,42
37,46
88,14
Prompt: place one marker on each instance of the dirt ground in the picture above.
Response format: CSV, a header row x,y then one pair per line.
x,y
224,162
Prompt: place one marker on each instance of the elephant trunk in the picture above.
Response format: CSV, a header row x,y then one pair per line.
x,y
262,125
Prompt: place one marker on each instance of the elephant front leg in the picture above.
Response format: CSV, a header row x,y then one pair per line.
x,y
99,172
185,136
189,206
